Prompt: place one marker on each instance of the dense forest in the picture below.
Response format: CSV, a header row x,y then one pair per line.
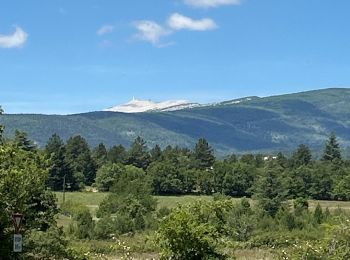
x,y
179,171
273,213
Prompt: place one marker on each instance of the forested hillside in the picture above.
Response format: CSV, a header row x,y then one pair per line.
x,y
255,124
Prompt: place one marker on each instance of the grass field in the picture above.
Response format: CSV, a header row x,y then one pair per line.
x,y
140,245
93,199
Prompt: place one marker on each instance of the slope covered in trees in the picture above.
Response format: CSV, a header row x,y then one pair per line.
x,y
256,124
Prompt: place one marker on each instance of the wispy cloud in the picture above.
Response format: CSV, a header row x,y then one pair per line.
x,y
151,31
180,22
105,29
211,3
15,40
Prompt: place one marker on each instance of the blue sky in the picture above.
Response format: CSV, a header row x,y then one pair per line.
x,y
64,56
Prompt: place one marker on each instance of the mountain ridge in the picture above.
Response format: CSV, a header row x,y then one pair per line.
x,y
274,123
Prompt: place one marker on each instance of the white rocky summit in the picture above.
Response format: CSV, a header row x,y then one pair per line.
x,y
138,106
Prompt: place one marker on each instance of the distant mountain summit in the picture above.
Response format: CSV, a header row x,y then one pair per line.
x,y
248,124
139,105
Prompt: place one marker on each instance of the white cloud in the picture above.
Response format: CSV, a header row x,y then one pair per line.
x,y
180,22
151,32
107,28
15,40
211,3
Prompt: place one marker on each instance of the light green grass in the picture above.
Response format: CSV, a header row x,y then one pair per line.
x,y
85,198
93,199
173,201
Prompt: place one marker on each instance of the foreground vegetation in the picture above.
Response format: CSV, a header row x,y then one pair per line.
x,y
172,204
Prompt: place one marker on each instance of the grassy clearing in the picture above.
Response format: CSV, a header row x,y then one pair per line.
x,y
93,199
141,245
331,205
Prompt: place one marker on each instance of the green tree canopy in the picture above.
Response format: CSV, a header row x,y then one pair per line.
x,y
332,150
138,154
22,189
302,156
59,169
79,158
203,154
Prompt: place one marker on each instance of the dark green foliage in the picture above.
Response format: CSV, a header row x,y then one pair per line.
x,y
22,142
117,154
298,181
138,154
286,218
193,231
318,214
108,175
300,205
99,154
248,159
302,156
282,160
166,178
241,221
50,244
234,179
84,224
341,189
79,158
321,182
156,154
332,150
130,204
59,168
269,190
23,176
203,155
247,126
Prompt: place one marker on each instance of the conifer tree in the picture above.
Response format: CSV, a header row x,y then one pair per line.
x,y
269,190
156,153
100,154
203,154
332,150
138,154
79,157
117,154
21,141
302,156
59,171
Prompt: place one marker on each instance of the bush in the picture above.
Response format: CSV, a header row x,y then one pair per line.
x,y
193,231
49,245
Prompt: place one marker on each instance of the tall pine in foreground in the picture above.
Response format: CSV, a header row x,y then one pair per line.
x,y
59,168
80,160
332,152
203,155
139,155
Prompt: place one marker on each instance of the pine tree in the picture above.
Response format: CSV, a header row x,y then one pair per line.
x,y
21,141
203,155
318,214
156,154
269,190
332,150
100,154
79,157
59,170
138,154
117,154
302,156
